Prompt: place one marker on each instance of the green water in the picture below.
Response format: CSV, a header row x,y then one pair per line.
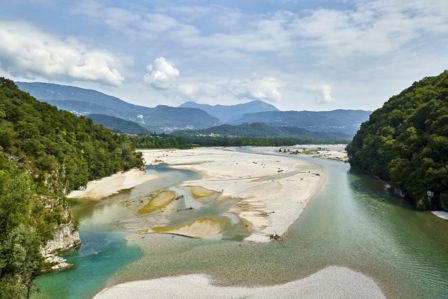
x,y
101,255
353,222
104,249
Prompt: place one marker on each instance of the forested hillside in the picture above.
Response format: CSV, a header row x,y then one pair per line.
x,y
337,121
406,143
260,130
44,153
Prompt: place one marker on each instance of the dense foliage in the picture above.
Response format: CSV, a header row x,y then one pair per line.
x,y
406,142
44,152
336,121
262,130
159,141
245,141
183,142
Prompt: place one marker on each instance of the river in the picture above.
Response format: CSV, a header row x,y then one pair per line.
x,y
353,222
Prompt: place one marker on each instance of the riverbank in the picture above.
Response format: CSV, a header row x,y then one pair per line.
x,y
331,282
335,152
98,189
440,214
272,191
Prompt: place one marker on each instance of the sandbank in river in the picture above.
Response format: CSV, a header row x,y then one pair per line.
x,y
272,190
271,193
98,189
331,282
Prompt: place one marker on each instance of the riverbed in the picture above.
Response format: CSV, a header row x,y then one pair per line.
x,y
353,223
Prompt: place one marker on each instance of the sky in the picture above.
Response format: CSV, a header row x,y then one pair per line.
x,y
297,55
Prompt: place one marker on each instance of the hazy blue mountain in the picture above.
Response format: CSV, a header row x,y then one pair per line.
x,y
336,121
118,124
228,113
264,130
86,101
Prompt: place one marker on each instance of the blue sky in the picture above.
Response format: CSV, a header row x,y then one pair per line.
x,y
314,55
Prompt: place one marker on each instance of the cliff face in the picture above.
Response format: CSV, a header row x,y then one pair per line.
x,y
65,237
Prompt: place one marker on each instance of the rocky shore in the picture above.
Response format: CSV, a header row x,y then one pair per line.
x,y
65,237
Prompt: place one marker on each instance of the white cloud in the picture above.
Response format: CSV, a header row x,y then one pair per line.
x,y
326,95
187,89
161,73
354,46
367,27
371,28
134,23
28,52
258,88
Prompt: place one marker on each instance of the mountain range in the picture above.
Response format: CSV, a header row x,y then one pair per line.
x,y
229,113
86,101
335,121
125,117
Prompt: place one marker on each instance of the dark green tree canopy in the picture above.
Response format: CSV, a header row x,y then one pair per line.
x,y
44,153
406,142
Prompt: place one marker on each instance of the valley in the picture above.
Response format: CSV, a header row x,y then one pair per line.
x,y
224,149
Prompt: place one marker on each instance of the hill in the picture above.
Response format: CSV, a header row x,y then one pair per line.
x,y
118,124
228,113
169,118
258,130
44,153
336,121
86,101
406,143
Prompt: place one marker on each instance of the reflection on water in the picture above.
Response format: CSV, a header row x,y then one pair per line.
x,y
353,222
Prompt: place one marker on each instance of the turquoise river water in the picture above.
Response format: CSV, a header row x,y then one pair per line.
x,y
352,222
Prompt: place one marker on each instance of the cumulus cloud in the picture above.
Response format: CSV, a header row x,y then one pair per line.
x,y
326,95
28,52
260,88
161,73
223,90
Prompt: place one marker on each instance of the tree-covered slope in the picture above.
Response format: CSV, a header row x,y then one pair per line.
x,y
406,142
176,118
117,124
44,153
258,130
336,121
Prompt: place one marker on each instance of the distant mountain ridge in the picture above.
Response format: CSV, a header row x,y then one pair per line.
x,y
335,121
228,113
257,130
87,101
190,115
